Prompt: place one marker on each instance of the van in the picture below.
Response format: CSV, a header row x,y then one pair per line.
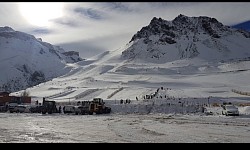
x,y
69,109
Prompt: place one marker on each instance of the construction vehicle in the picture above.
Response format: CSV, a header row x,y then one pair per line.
x,y
97,106
83,108
49,107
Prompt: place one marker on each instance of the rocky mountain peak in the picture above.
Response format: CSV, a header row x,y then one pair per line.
x,y
181,18
186,37
6,29
181,25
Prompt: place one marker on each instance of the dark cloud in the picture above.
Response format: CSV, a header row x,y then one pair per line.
x,y
119,6
173,4
86,49
89,12
91,47
141,6
66,21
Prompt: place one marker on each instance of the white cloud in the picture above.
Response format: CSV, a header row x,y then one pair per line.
x,y
9,16
108,26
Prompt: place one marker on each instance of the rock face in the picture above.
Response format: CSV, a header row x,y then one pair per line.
x,y
27,61
72,56
187,37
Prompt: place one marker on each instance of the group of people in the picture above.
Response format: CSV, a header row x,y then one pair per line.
x,y
61,109
151,96
127,101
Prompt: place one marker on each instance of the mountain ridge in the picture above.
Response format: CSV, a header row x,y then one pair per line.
x,y
27,61
187,37
209,60
243,26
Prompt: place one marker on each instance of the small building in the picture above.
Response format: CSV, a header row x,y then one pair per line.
x,y
6,98
4,94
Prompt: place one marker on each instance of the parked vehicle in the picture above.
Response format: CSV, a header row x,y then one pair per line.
x,y
82,110
3,109
67,109
207,112
230,110
78,109
12,107
20,109
36,109
97,106
49,107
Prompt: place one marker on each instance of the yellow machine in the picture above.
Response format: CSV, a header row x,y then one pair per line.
x,y
98,106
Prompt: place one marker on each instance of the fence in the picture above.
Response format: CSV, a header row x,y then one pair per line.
x,y
240,92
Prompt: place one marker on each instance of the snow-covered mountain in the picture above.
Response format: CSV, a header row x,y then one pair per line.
x,y
189,57
188,37
27,61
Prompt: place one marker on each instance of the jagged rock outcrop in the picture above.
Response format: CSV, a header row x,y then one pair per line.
x,y
187,37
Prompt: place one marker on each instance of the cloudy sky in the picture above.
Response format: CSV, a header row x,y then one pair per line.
x,y
92,28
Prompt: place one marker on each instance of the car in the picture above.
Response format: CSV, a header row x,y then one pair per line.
x,y
36,108
207,112
78,109
67,109
27,109
230,110
12,107
20,109
2,108
81,110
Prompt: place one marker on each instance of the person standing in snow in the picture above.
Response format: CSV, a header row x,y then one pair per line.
x,y
60,109
63,109
202,109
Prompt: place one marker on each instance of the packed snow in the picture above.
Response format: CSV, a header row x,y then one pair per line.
x,y
134,128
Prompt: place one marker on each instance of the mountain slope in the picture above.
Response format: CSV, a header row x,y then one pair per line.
x,y
202,58
26,61
244,26
188,37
